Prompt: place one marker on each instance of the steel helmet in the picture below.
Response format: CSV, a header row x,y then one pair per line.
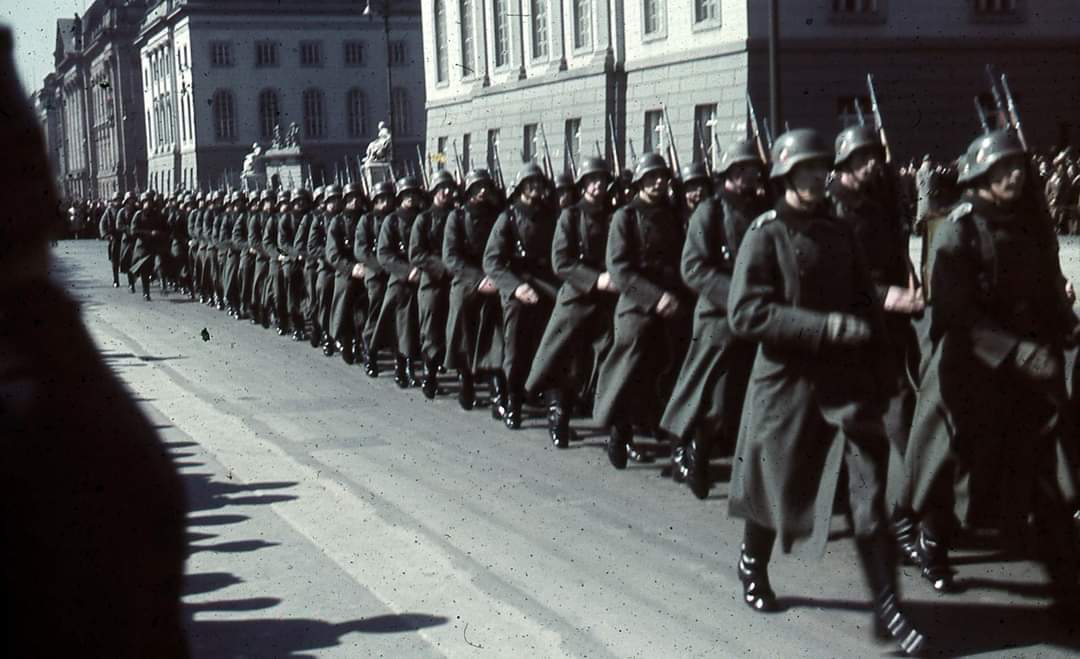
x,y
384,189
986,151
648,163
563,181
441,178
530,171
320,191
301,194
592,166
795,147
331,191
852,139
737,152
407,184
477,176
694,172
355,188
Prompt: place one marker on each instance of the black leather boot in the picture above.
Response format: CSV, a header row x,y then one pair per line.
x,y
933,558
619,437
878,561
558,422
634,454
346,348
371,363
328,347
467,392
678,462
754,576
512,417
498,396
697,465
906,534
402,377
429,386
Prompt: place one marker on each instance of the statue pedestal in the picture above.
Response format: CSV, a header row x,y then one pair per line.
x,y
285,168
375,173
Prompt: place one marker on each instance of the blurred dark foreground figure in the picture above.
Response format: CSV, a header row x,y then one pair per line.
x,y
93,509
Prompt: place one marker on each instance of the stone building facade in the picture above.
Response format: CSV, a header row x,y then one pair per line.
x,y
98,96
219,76
588,71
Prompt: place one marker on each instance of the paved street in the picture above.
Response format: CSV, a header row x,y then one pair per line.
x,y
333,515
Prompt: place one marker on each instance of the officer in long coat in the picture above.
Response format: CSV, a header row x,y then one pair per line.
x,y
108,230
398,326
383,202
148,233
517,258
987,445
862,197
288,231
578,335
349,305
652,315
474,322
425,253
276,298
801,291
706,403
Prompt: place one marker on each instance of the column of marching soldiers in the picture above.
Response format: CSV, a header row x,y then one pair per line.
x,y
764,311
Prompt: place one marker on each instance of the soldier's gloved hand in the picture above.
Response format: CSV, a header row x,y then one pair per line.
x,y
846,329
667,306
904,300
525,294
487,287
358,271
414,275
1036,361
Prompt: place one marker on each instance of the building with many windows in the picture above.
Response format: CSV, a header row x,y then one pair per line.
x,y
221,75
98,96
589,76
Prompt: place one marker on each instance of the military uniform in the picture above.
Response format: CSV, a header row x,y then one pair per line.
x,y
292,270
398,326
365,248
148,232
178,245
425,253
245,260
275,299
518,252
107,229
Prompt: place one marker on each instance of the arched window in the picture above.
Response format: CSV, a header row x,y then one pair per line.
x,y
356,111
441,71
224,116
314,124
400,102
268,113
468,48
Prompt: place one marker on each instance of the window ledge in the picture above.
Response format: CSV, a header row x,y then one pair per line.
x,y
659,35
707,26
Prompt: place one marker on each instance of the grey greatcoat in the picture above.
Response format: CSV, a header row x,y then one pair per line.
x,y
518,251
644,246
987,442
709,391
364,248
812,408
578,335
474,321
425,252
399,324
349,306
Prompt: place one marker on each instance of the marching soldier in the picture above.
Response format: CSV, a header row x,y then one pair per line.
x,y
235,215
652,315
258,259
398,324
470,350
276,298
694,186
348,310
705,406
517,258
578,335
178,244
107,229
245,258
211,271
812,408
860,197
147,231
321,296
292,259
375,277
987,444
195,247
425,253
127,241
309,224
565,190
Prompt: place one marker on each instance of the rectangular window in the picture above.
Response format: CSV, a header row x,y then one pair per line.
x,y
651,140
706,11
466,147
310,53
858,11
440,147
528,146
221,54
493,154
468,48
442,67
398,53
501,20
354,53
848,110
652,17
572,140
704,122
582,23
539,23
266,53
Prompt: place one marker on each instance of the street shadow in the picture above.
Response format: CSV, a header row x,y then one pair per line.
x,y
235,547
